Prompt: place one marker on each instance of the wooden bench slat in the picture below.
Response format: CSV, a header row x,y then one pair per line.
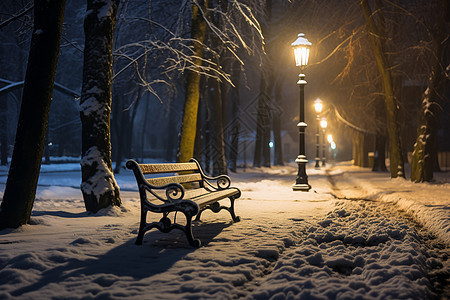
x,y
194,193
167,168
175,179
209,198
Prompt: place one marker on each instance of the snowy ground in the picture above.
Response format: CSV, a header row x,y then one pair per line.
x,y
355,235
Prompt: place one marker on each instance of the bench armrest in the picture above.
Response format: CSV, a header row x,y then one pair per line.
x,y
174,191
222,181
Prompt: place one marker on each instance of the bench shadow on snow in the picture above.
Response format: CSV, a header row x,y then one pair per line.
x,y
127,261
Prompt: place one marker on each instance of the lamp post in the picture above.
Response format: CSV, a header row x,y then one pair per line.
x,y
318,108
324,125
301,48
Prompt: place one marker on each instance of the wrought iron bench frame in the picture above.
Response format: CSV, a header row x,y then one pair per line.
x,y
188,191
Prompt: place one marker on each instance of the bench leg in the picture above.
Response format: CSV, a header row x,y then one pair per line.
x,y
140,237
141,227
216,207
197,218
188,231
231,210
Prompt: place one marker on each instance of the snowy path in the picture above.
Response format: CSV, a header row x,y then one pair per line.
x,y
288,245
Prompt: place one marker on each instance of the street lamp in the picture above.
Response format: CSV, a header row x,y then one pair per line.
x,y
332,146
323,124
318,108
301,48
329,138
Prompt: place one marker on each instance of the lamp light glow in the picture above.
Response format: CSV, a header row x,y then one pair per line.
x,y
330,138
301,48
318,106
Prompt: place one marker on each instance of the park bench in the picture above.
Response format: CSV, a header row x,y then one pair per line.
x,y
179,187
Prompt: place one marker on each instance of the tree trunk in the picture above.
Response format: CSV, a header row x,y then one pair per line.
x,y
276,122
128,150
217,93
3,123
3,131
46,150
199,141
189,125
379,159
208,141
98,185
23,174
376,33
115,126
266,90
218,145
365,150
355,147
172,132
262,150
123,139
425,148
144,131
358,155
234,132
361,149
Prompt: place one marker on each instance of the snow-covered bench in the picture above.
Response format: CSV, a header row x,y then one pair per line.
x,y
183,187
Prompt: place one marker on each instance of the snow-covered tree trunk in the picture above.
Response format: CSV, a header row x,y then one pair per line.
x,y
376,34
98,185
189,126
425,152
23,174
425,146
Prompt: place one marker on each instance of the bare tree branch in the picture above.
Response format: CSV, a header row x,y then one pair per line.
x,y
25,10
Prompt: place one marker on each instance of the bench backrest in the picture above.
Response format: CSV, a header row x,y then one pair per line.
x,y
187,173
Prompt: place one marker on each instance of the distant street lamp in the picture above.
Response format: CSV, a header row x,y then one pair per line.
x,y
324,125
301,48
318,108
329,138
332,146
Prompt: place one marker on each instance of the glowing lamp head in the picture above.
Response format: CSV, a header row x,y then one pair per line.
x,y
330,138
301,48
318,106
323,123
